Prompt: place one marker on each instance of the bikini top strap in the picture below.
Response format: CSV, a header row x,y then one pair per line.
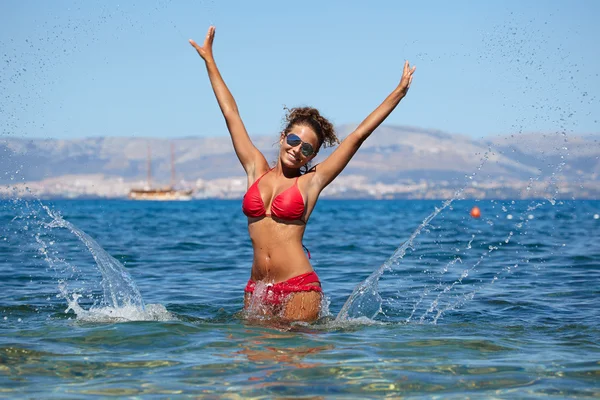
x,y
260,177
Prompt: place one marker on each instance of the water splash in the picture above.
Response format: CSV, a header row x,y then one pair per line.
x,y
114,297
108,314
365,301
437,310
120,290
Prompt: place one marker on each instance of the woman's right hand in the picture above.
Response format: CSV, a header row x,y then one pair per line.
x,y
205,50
407,77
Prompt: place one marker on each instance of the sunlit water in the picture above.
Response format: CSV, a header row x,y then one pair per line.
x,y
503,306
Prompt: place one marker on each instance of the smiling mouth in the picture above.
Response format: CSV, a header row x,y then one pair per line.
x,y
292,157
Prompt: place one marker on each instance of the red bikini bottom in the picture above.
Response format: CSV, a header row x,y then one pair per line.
x,y
276,293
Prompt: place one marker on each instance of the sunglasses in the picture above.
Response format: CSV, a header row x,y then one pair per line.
x,y
294,140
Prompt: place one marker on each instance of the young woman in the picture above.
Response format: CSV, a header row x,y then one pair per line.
x,y
280,199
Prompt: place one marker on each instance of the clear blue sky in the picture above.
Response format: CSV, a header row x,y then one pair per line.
x,y
78,68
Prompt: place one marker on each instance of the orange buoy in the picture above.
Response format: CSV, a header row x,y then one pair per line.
x,y
475,212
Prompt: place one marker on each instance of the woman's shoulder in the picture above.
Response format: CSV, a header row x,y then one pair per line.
x,y
259,170
311,172
308,177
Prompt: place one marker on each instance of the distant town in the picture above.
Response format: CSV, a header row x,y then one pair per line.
x,y
345,187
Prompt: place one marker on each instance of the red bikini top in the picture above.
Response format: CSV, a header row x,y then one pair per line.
x,y
287,205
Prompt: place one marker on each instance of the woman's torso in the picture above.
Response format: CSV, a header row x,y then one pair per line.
x,y
277,228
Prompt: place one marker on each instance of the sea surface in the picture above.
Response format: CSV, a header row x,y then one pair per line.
x,y
142,299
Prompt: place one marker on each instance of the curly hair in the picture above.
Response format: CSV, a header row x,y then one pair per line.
x,y
309,116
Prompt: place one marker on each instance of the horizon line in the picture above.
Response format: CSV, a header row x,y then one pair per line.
x,y
339,126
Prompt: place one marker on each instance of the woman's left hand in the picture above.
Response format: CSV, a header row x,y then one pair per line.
x,y
205,51
407,76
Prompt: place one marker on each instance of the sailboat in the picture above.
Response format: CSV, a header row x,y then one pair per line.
x,y
168,193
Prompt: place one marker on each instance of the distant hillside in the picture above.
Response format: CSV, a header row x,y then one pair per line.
x,y
392,154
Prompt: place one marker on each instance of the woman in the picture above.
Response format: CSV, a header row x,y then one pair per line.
x,y
280,200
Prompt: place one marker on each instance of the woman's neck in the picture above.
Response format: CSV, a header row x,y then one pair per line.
x,y
289,173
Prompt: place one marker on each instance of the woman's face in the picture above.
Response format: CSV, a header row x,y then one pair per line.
x,y
292,156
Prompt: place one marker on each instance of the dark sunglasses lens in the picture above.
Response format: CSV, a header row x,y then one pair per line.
x,y
307,149
293,140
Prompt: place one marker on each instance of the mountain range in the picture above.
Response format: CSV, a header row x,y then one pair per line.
x,y
393,154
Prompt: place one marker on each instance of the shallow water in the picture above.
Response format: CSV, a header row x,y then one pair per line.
x,y
503,306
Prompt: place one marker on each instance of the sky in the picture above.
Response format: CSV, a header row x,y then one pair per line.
x,y
76,68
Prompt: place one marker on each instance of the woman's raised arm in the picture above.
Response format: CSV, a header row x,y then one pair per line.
x,y
326,171
245,150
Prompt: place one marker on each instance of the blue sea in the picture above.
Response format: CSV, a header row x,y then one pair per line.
x,y
113,298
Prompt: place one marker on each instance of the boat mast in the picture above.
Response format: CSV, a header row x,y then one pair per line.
x,y
149,179
172,165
